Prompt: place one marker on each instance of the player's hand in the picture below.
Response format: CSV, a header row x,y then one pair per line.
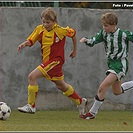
x,y
73,54
21,46
83,40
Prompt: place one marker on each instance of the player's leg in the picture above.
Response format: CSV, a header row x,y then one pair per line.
x,y
127,86
116,87
99,98
52,70
119,87
32,91
33,86
70,93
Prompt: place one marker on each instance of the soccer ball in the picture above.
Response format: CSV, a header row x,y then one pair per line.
x,y
5,111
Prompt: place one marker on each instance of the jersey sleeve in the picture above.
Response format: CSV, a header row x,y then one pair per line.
x,y
34,35
70,32
95,39
129,35
64,31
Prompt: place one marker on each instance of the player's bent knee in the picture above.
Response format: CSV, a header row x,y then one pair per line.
x,y
31,77
116,93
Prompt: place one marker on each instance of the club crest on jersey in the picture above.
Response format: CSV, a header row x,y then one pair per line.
x,y
56,39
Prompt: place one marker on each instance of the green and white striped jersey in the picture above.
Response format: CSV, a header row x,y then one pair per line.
x,y
116,44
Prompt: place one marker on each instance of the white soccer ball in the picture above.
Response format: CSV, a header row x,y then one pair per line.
x,y
5,111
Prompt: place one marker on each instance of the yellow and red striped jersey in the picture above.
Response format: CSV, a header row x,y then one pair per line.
x,y
52,42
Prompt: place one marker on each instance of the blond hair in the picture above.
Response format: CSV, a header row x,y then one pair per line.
x,y
49,14
109,18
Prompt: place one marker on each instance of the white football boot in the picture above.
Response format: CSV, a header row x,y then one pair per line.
x,y
27,109
83,107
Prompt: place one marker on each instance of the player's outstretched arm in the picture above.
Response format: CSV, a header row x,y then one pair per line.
x,y
24,44
83,40
73,53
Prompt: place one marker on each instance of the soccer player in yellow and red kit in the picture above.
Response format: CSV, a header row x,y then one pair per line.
x,y
52,38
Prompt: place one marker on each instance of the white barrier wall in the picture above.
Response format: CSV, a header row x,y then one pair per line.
x,y
84,73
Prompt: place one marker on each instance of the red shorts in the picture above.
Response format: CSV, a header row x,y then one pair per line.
x,y
52,70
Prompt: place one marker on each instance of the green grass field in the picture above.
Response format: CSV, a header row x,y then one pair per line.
x,y
68,121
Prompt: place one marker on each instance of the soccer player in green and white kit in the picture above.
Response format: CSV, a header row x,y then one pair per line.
x,y
116,43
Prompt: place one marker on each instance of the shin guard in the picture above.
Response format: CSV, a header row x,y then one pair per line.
x,y
32,94
70,93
